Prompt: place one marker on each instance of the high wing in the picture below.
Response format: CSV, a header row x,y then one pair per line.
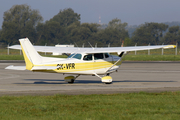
x,y
71,50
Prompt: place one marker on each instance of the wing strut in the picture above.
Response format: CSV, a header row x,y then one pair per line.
x,y
123,54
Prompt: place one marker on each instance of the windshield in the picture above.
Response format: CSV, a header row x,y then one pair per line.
x,y
77,56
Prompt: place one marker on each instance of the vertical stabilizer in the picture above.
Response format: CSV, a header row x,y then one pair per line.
x,y
31,56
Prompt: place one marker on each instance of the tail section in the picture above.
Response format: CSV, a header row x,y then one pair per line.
x,y
31,56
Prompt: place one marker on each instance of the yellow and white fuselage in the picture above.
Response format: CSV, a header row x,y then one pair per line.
x,y
77,66
76,63
84,61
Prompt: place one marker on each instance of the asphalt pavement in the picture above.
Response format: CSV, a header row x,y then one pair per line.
x,y
131,77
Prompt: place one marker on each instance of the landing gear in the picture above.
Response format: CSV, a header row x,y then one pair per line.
x,y
70,79
106,79
108,82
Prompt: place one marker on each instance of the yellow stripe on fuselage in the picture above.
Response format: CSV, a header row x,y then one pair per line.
x,y
75,67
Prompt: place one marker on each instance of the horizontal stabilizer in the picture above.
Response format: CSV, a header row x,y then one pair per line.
x,y
44,67
12,67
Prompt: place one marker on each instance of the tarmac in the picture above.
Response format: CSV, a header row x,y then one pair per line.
x,y
131,77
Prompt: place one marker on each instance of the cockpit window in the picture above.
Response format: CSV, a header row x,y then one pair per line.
x,y
77,56
98,56
88,57
71,55
106,55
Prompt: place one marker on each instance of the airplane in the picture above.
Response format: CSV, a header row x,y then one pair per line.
x,y
82,61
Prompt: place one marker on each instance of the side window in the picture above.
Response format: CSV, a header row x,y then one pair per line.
x,y
88,57
98,56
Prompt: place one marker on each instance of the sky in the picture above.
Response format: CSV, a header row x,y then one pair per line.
x,y
134,12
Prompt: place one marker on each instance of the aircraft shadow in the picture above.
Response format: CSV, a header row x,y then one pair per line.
x,y
50,81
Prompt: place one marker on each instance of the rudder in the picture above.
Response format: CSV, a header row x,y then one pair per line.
x,y
31,56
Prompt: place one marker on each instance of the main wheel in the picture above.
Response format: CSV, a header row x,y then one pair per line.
x,y
71,81
108,82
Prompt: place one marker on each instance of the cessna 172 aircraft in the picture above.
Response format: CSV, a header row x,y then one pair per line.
x,y
82,61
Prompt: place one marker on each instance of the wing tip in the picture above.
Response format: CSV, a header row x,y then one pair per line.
x,y
170,46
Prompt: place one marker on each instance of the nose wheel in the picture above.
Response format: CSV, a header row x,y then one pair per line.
x,y
106,79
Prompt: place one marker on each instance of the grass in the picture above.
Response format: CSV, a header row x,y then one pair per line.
x,y
11,57
134,106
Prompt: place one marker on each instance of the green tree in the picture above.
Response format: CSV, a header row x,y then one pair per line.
x,y
114,34
20,21
51,33
91,32
82,33
174,30
149,33
127,42
41,33
66,17
172,36
1,41
117,24
59,28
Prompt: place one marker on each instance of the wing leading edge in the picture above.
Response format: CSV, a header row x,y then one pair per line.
x,y
94,50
